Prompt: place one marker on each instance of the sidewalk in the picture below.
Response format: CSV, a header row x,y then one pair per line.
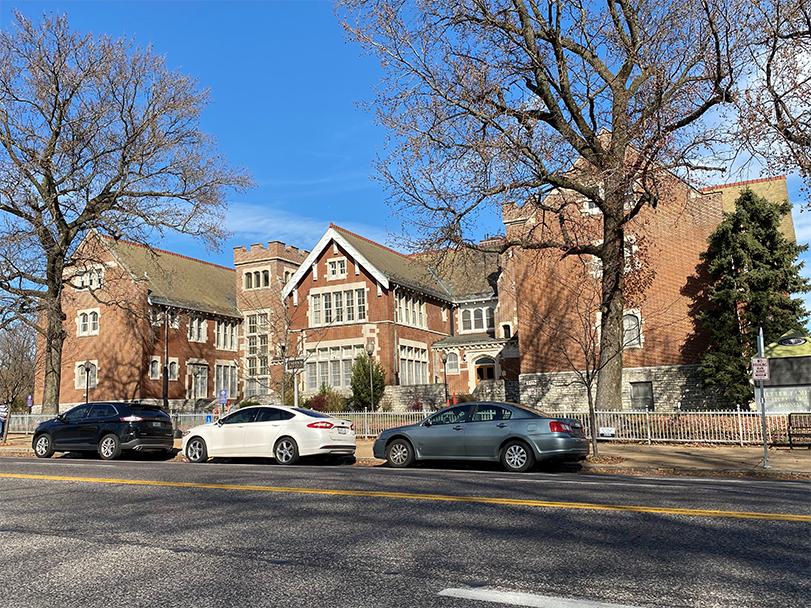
x,y
620,458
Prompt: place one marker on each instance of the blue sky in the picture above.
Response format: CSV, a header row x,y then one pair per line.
x,y
285,86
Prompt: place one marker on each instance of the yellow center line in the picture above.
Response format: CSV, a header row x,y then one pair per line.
x,y
440,497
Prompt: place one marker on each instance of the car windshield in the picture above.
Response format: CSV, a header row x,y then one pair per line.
x,y
312,413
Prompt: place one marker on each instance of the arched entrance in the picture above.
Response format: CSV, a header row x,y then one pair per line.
x,y
485,369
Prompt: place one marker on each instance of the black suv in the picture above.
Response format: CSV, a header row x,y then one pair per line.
x,y
109,428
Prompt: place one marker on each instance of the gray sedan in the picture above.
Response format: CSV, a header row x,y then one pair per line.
x,y
485,431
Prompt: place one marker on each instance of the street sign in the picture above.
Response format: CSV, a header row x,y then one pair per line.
x,y
208,419
760,369
223,396
29,400
295,364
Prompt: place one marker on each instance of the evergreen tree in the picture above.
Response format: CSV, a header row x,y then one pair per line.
x,y
753,273
360,383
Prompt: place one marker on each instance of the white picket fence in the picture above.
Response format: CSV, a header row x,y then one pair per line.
x,y
736,427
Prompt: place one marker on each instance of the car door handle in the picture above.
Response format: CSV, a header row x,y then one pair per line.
x,y
501,425
458,428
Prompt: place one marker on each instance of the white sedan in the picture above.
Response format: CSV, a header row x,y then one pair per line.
x,y
283,432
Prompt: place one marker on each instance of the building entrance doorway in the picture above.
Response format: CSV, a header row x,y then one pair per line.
x,y
485,369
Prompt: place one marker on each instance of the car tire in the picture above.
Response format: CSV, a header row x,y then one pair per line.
x,y
44,446
109,447
399,454
516,457
196,450
286,451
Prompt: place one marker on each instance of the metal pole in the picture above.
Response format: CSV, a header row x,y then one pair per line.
x,y
371,396
760,350
295,389
282,348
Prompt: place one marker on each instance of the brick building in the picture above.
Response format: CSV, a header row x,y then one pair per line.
x,y
520,325
130,312
556,302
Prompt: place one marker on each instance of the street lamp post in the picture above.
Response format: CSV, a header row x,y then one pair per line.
x,y
370,349
443,356
87,367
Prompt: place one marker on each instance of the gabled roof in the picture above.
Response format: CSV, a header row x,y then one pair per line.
x,y
176,280
385,265
467,274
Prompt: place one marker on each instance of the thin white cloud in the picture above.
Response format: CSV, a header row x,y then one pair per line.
x,y
253,223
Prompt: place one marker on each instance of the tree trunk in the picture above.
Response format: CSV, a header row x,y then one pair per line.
x,y
609,380
54,339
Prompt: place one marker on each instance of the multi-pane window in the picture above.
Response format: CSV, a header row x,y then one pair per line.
x,y
411,311
225,335
257,353
336,269
87,323
360,299
350,306
197,329
346,306
413,365
327,308
316,303
225,378
173,372
452,364
478,319
331,366
155,369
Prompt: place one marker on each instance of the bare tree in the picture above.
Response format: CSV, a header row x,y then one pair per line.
x,y
775,111
17,351
492,101
95,134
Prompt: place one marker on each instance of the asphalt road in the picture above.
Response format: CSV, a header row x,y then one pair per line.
x,y
89,533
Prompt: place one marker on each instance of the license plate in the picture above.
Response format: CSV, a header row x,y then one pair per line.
x,y
157,423
342,430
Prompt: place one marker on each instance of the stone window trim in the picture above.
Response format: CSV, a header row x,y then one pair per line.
x,y
337,268
80,375
255,278
198,329
87,322
338,306
155,369
477,319
632,335
174,369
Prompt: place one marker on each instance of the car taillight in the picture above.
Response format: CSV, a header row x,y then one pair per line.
x,y
320,425
559,427
131,419
351,427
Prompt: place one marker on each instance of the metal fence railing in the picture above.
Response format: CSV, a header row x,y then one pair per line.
x,y
738,427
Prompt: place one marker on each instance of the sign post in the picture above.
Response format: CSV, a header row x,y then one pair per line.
x,y
295,365
760,372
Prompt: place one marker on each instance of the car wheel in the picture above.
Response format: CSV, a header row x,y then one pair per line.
x,y
196,450
286,451
399,454
109,447
44,446
516,456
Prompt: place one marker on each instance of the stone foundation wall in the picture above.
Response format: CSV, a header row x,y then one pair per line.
x,y
417,397
675,387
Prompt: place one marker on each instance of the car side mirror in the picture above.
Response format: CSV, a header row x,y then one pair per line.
x,y
60,417
219,421
426,423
